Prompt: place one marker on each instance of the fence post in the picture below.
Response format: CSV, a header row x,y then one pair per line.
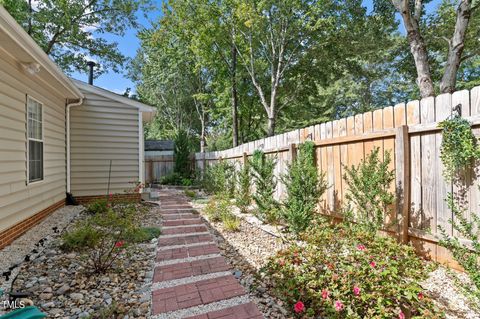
x,y
292,151
402,175
244,158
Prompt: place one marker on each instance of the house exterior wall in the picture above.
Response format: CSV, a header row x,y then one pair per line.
x,y
103,130
19,201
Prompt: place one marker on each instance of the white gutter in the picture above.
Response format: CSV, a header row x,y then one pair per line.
x,y
69,105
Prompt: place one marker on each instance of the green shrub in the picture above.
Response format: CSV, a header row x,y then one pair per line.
x,y
102,238
220,179
459,147
304,186
217,207
171,179
145,234
182,154
265,185
231,223
369,190
190,193
243,197
467,257
187,182
343,272
98,206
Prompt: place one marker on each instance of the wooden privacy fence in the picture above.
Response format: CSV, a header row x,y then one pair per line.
x,y
158,166
410,133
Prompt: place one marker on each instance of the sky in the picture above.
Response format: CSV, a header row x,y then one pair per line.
x,y
128,45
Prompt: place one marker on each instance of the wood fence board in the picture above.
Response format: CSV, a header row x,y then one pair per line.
x,y
350,146
413,117
378,126
330,169
367,128
337,193
474,189
323,134
389,146
342,128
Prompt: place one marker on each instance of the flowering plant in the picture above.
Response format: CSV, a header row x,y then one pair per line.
x,y
343,271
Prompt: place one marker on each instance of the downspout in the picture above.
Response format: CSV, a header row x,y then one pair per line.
x,y
69,105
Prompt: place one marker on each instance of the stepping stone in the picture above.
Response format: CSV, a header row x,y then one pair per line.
x,y
181,211
185,252
244,311
185,230
194,294
185,240
189,269
179,216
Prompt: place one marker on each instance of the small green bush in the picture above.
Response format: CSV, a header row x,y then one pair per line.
x,y
171,179
304,186
467,257
231,223
217,207
98,206
187,182
265,185
145,234
369,190
243,196
343,271
190,193
102,238
219,179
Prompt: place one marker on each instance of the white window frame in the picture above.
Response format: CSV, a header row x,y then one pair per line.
x,y
28,182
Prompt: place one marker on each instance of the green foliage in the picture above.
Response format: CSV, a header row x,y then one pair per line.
x,y
102,238
231,223
459,147
172,179
98,206
243,196
190,193
468,256
343,271
73,32
182,154
369,190
265,185
220,179
146,234
304,186
217,207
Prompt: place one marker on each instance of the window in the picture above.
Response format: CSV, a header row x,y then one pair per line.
x,y
35,140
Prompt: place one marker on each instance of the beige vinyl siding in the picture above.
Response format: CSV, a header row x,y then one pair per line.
x,y
103,130
18,200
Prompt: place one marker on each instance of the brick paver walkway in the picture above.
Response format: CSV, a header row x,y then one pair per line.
x,y
191,278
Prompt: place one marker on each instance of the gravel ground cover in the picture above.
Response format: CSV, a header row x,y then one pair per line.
x,y
60,286
249,248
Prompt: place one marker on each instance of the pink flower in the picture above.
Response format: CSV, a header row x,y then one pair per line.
x,y
281,262
325,294
338,305
372,264
356,290
420,295
119,244
299,307
401,315
360,247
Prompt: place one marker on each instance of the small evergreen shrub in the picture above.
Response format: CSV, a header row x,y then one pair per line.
x,y
220,179
146,234
459,147
467,256
265,185
243,197
171,179
344,271
369,190
304,186
102,238
190,193
182,154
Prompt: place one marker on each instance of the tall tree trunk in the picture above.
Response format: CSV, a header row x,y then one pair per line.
x,y
271,125
234,96
418,47
455,47
30,18
202,133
